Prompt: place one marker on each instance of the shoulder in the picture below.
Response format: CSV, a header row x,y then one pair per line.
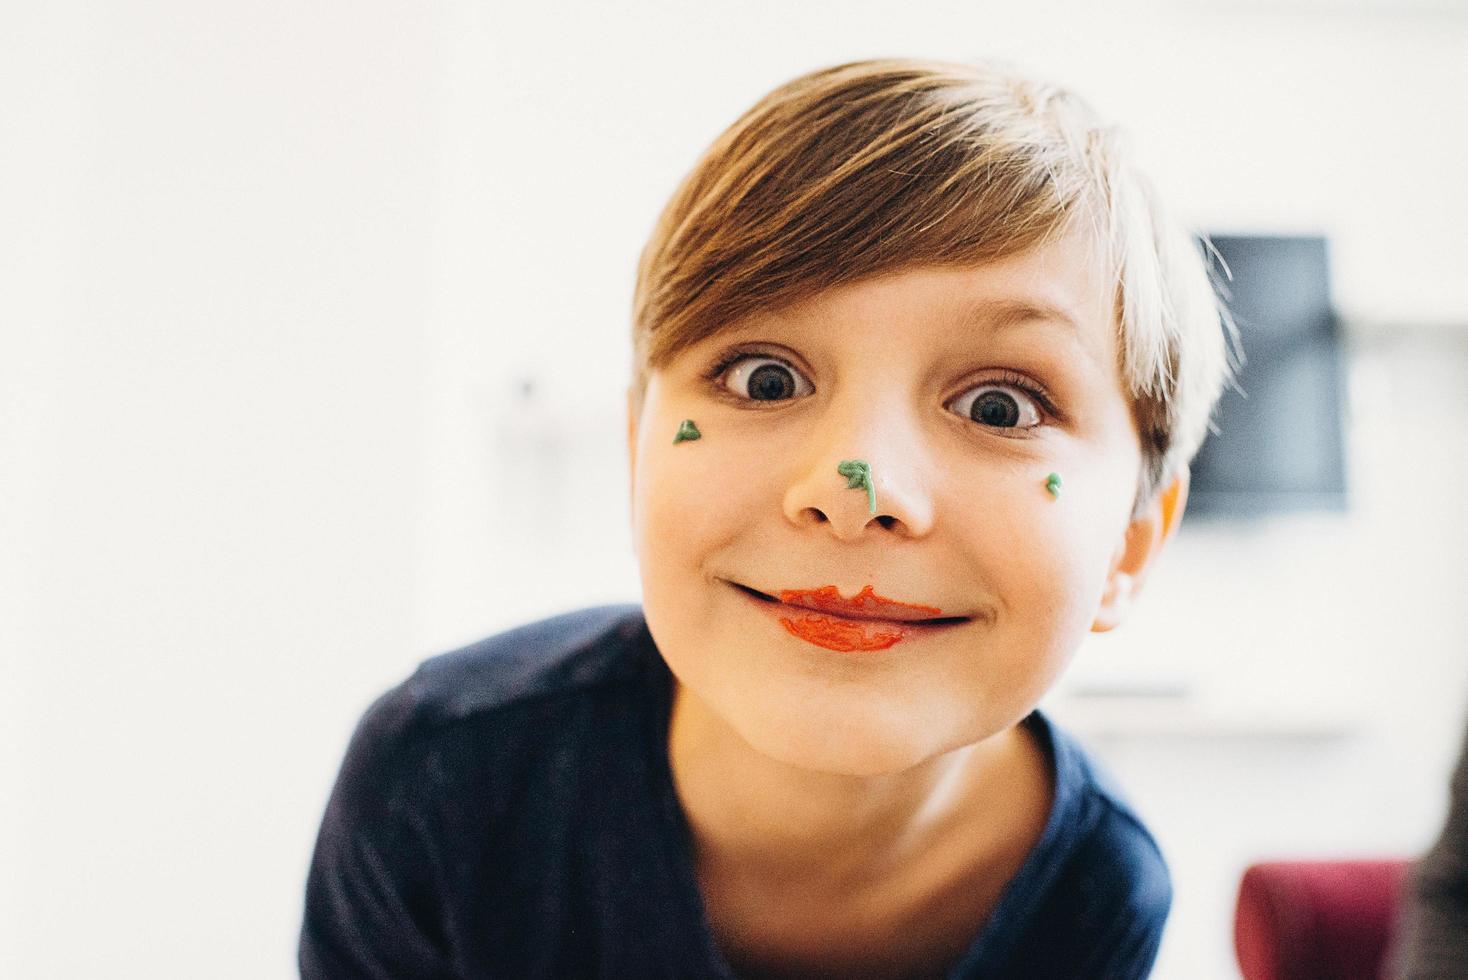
x,y
554,657
1121,874
1122,849
437,764
1107,834
468,711
1109,891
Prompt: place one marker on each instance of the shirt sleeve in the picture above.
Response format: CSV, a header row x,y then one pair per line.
x,y
1114,904
1132,950
1126,946
373,906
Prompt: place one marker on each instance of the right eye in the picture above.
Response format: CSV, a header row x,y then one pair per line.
x,y
764,379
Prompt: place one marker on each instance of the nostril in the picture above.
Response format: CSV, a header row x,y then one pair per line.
x,y
887,521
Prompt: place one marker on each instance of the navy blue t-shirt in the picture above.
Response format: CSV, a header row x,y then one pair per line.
x,y
509,811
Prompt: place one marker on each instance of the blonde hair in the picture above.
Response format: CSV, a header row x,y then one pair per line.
x,y
868,167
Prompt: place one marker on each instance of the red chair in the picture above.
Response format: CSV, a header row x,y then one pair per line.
x,y
1317,920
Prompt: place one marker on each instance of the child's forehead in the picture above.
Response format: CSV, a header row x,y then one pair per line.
x,y
945,309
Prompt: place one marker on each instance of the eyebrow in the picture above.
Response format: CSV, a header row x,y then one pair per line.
x,y
1009,312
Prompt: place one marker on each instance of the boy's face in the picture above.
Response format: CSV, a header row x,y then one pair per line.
x,y
962,409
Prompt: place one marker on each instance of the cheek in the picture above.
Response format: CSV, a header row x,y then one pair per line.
x,y
1087,526
689,501
693,503
1047,558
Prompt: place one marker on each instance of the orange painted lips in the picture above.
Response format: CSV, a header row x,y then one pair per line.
x,y
866,621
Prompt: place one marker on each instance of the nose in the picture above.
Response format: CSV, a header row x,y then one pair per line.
x,y
901,475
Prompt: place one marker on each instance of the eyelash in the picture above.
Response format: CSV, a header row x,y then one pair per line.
x,y
1005,377
734,355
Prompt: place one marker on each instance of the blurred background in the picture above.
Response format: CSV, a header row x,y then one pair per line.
x,y
315,339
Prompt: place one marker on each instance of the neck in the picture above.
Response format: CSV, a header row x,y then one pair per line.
x,y
762,819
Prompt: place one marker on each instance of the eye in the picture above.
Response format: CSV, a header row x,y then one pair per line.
x,y
999,406
764,379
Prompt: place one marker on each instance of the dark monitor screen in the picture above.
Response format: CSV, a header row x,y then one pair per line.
x,y
1279,442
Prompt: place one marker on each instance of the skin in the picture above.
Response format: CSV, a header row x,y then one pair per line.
x,y
845,802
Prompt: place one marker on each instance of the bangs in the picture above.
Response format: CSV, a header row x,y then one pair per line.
x,y
843,175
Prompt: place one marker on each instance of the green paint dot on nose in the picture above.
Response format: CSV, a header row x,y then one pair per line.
x,y
858,475
687,431
856,471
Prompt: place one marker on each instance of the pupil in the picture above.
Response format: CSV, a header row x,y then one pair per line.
x,y
771,383
995,408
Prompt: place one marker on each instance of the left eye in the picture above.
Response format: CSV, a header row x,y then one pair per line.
x,y
765,379
998,407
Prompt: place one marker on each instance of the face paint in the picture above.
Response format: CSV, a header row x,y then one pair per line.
x,y
687,431
850,634
843,635
858,475
1052,483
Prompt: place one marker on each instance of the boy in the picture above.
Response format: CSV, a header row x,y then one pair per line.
x,y
919,369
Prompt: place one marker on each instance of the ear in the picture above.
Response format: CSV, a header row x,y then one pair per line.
x,y
1148,531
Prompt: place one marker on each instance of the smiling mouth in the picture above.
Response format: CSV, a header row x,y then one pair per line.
x,y
865,622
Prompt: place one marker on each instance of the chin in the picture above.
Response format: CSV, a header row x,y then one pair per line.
x,y
808,739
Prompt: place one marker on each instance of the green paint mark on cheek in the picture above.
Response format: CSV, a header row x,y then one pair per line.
x,y
1052,483
686,431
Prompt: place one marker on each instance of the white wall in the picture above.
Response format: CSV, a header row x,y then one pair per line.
x,y
215,280
270,278
1325,656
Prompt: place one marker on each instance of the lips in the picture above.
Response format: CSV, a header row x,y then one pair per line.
x,y
866,604
867,621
